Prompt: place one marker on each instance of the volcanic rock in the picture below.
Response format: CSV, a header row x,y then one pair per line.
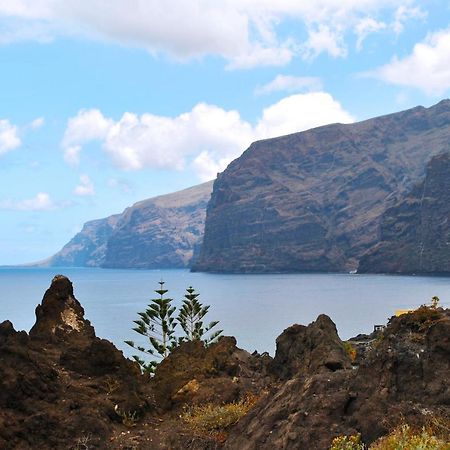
x,y
403,377
220,373
61,384
308,350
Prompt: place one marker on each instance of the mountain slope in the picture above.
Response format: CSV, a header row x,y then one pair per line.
x,y
313,201
158,232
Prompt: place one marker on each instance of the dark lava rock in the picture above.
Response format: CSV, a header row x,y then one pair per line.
x,y
220,373
404,376
314,201
308,350
160,232
61,384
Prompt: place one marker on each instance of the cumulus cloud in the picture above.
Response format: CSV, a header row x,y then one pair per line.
x,y
37,123
427,67
85,188
41,202
324,39
244,32
207,137
289,83
9,136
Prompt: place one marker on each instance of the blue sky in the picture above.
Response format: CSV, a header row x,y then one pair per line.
x,y
103,104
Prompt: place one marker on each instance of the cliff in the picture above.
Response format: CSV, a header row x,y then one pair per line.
x,y
316,200
415,233
160,232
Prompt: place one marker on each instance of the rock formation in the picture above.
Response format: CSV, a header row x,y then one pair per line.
x,y
161,232
320,200
403,377
61,387
61,384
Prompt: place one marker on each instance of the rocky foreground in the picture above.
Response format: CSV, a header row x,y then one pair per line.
x,y
61,387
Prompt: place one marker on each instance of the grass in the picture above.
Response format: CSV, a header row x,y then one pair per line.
x,y
211,418
436,436
406,438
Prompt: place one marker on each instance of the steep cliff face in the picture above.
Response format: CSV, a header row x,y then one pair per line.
x,y
88,247
313,201
160,232
155,233
415,233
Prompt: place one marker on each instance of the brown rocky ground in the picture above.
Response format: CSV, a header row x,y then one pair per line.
x,y
61,387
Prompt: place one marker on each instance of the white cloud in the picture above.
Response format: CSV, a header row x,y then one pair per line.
x,y
244,32
324,39
365,27
208,137
289,83
41,202
85,188
37,123
9,136
405,13
301,112
426,68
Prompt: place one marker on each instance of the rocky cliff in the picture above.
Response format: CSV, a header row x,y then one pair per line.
x,y
62,387
415,233
316,200
159,232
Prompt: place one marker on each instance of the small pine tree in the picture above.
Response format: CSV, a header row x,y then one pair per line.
x,y
191,317
157,323
435,302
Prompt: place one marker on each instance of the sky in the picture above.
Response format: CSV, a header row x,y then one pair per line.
x,y
105,103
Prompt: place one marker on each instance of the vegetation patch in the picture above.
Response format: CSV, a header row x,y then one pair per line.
x,y
211,418
347,443
405,437
350,350
435,436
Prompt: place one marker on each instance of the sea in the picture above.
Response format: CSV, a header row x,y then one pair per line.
x,y
253,308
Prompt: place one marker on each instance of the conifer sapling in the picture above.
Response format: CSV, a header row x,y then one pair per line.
x,y
191,317
157,323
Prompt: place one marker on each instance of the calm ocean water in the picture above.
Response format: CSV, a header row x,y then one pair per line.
x,y
254,308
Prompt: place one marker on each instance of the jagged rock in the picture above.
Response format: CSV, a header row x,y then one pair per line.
x,y
314,201
60,312
308,350
404,376
61,383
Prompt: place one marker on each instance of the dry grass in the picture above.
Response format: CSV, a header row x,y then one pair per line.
x,y
211,418
434,436
350,350
406,438
347,443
